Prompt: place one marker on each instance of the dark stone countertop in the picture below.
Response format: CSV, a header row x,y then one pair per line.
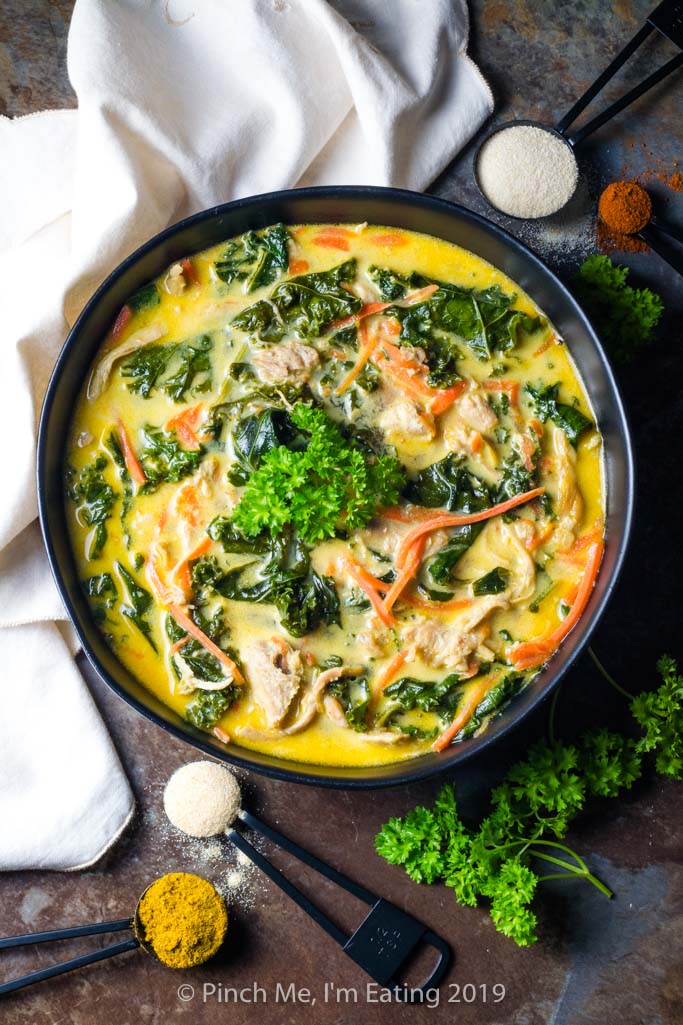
x,y
597,961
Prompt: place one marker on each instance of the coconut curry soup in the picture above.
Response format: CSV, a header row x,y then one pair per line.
x,y
335,492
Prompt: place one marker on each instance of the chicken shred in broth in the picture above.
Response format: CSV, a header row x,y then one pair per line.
x,y
335,491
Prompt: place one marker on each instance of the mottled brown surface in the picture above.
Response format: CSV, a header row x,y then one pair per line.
x,y
597,961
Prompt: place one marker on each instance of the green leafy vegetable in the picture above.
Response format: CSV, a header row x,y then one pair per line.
x,y
163,459
449,484
568,418
493,582
624,317
145,298
501,859
141,603
257,258
441,566
304,599
257,435
102,592
223,530
316,488
353,694
194,372
95,499
439,696
146,366
388,283
305,305
206,707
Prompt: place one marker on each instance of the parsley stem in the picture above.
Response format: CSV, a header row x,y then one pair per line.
x,y
578,872
610,679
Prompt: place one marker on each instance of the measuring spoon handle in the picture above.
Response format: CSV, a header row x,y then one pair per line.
x,y
68,966
650,236
8,942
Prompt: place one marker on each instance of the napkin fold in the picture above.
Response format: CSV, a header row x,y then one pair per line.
x,y
182,104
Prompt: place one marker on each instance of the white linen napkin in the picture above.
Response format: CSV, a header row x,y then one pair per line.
x,y
182,104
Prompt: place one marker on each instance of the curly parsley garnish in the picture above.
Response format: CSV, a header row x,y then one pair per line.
x,y
329,483
502,859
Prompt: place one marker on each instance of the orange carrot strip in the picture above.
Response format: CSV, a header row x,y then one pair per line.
x,y
391,239
477,442
298,266
183,620
441,519
366,349
473,697
407,514
367,583
410,375
184,423
181,572
533,653
410,568
131,460
537,427
540,539
544,346
179,644
125,315
386,675
189,272
501,384
331,242
366,310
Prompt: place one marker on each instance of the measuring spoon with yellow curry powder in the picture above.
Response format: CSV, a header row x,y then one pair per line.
x,y
180,919
203,799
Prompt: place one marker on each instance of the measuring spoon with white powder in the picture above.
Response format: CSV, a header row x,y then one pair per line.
x,y
203,800
527,169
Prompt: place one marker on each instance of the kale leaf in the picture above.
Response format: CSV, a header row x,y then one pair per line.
x,y
163,459
353,694
145,368
141,603
255,258
194,372
305,305
257,435
95,499
440,567
390,284
570,419
439,696
207,707
449,484
493,582
145,298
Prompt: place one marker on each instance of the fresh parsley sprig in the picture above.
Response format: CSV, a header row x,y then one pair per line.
x,y
501,861
328,483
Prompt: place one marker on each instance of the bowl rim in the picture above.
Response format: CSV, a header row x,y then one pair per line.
x,y
407,770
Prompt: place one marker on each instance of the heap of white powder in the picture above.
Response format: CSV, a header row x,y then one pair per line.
x,y
202,798
526,171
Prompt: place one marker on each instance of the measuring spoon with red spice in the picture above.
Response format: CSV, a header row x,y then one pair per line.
x,y
626,209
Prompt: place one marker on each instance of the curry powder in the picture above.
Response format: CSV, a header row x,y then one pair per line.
x,y
183,919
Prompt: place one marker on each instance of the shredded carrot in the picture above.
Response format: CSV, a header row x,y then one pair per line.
x,y
473,697
367,310
367,346
131,460
502,384
183,620
336,229
189,272
533,653
407,514
544,346
477,442
540,539
386,675
442,519
527,448
187,504
155,577
184,424
182,570
391,239
584,540
125,315
537,427
298,266
408,571
179,644
409,373
368,584
331,242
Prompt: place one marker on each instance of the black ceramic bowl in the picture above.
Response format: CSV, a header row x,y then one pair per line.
x,y
351,205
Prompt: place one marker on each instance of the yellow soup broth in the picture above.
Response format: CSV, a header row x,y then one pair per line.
x,y
296,645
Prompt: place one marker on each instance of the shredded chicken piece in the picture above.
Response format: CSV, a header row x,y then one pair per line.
x,y
309,706
383,537
174,282
402,419
189,682
373,638
334,710
568,500
335,713
275,672
504,543
475,410
100,375
290,362
451,644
